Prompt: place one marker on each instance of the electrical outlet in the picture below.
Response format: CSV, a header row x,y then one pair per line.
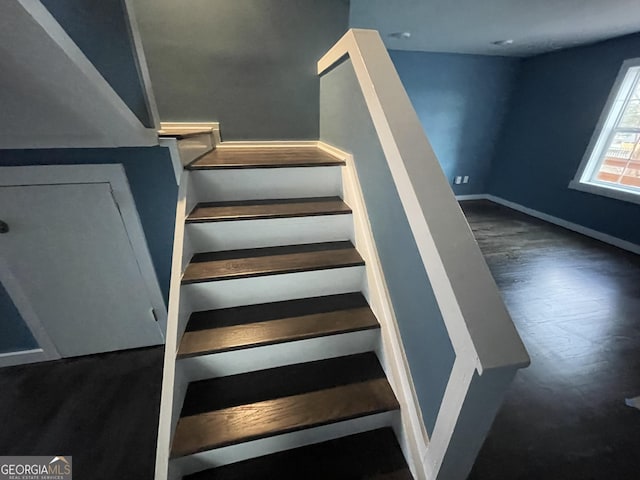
x,y
465,179
458,180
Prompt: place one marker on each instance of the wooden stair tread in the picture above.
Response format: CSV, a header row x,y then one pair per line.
x,y
257,386
255,262
282,415
262,209
182,133
264,157
270,323
373,455
238,408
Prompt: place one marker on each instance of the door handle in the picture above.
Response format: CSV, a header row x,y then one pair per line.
x,y
4,227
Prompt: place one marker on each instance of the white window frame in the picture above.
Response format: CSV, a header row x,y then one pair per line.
x,y
608,118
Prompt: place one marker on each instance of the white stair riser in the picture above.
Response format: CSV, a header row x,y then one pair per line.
x,y
270,356
181,382
230,235
256,448
266,183
271,288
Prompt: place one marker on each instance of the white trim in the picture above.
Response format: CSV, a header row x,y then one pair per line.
x,y
218,143
606,191
196,126
95,100
582,180
21,352
168,415
190,125
117,178
141,64
475,196
392,356
47,349
589,232
475,316
451,407
342,155
268,144
12,359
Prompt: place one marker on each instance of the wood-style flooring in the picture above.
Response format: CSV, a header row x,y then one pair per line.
x,y
102,410
576,304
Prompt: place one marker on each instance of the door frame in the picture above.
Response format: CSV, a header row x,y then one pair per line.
x,y
115,175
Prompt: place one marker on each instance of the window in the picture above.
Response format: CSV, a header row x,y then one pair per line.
x,y
611,165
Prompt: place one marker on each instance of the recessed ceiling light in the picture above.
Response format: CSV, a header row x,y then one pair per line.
x,y
502,43
400,35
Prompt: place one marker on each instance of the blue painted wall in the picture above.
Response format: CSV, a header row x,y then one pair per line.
x,y
554,110
14,333
249,64
461,101
345,123
153,185
100,29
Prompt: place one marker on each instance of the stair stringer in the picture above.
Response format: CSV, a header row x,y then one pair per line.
x,y
410,429
174,382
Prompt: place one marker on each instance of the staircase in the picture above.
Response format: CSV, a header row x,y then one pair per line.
x,y
280,348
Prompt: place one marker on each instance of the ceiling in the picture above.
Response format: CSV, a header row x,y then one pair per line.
x,y
471,26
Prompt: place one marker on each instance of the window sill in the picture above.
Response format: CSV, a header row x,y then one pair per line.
x,y
610,192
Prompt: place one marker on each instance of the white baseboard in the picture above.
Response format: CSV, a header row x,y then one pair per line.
x,y
474,196
589,232
218,143
214,126
267,144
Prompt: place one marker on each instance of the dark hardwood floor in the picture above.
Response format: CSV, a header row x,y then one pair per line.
x,y
576,303
101,409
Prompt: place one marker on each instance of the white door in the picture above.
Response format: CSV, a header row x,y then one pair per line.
x,y
68,249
